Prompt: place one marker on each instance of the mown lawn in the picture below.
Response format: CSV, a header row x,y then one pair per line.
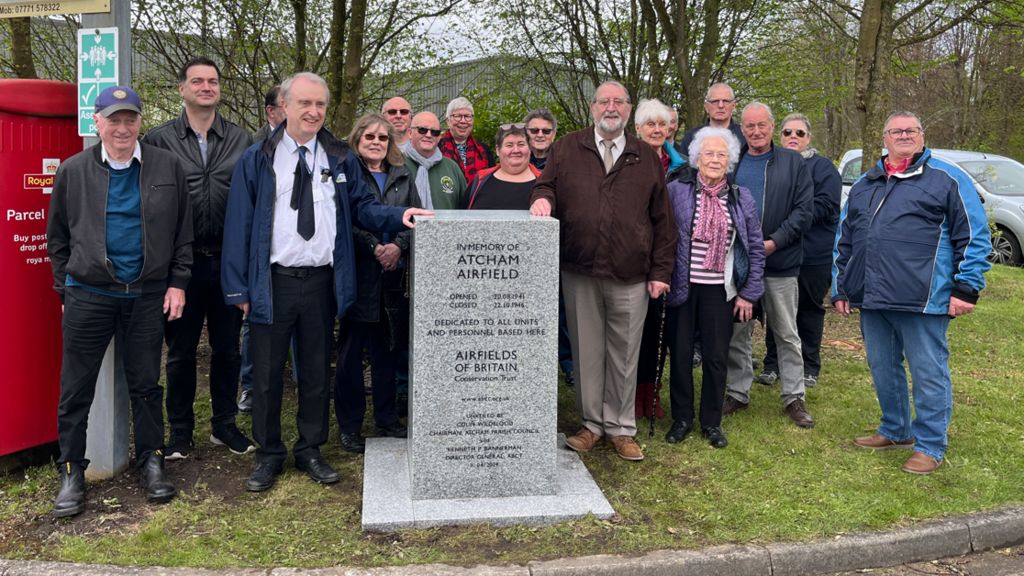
x,y
775,482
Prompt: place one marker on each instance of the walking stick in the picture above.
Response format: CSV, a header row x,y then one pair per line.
x,y
662,353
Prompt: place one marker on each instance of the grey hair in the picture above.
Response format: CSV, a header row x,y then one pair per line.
x,y
903,114
732,94
651,109
797,117
711,132
458,104
755,105
593,99
543,114
286,86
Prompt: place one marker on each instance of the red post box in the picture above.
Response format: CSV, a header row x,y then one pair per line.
x,y
38,130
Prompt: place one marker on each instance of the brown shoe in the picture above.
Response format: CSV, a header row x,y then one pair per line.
x,y
879,442
798,413
583,440
732,405
920,463
627,447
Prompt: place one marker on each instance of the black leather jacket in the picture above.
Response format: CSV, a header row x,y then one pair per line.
x,y
208,184
376,288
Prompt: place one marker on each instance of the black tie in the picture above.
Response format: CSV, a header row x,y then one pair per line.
x,y
302,196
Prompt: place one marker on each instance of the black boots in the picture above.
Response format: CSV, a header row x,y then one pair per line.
x,y
154,481
71,497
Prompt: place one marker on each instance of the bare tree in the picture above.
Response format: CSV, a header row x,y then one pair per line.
x,y
887,26
21,48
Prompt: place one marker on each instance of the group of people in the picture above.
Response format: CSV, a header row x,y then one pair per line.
x,y
665,248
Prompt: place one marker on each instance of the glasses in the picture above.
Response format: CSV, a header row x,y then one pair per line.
x,y
721,101
370,137
619,102
790,131
516,126
397,111
712,155
461,117
536,131
897,132
435,132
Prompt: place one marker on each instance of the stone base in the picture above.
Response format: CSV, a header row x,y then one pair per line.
x,y
388,503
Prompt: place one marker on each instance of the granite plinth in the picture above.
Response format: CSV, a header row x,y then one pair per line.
x,y
388,504
483,356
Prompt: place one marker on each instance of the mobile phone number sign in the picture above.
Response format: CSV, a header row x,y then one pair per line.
x,y
19,9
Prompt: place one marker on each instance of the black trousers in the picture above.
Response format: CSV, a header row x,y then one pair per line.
x,y
647,363
204,302
90,321
349,395
813,283
709,313
303,306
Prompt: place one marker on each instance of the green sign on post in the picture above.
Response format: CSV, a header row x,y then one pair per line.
x,y
97,71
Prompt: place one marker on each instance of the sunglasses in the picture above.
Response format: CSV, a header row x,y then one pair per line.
x,y
538,130
516,126
370,137
397,111
423,131
789,132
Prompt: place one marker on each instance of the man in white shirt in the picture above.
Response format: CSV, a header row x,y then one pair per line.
x,y
288,259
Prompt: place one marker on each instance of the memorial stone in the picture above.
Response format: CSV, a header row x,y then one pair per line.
x,y
484,355
483,376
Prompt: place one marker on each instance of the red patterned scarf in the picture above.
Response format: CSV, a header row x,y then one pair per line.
x,y
477,157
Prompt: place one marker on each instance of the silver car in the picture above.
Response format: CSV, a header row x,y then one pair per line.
x,y
1000,182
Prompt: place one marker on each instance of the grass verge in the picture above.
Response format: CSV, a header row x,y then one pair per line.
x,y
775,482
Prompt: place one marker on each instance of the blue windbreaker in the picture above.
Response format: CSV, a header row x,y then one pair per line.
x,y
910,241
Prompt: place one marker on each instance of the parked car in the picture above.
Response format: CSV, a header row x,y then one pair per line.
x,y
1000,183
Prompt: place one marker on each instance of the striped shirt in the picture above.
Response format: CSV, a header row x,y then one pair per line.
x,y
699,249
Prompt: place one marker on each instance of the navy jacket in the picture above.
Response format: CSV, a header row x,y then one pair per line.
x,y
245,266
828,188
910,241
788,209
745,256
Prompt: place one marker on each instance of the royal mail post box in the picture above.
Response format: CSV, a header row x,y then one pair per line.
x,y
38,129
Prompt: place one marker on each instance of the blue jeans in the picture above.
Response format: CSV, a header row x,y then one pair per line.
x,y
889,336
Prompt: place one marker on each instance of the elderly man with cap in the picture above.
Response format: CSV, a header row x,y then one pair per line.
x,y
120,244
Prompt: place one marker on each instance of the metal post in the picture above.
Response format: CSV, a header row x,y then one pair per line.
x,y
107,434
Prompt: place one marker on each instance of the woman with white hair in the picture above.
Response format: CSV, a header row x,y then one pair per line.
x,y
718,277
653,121
458,142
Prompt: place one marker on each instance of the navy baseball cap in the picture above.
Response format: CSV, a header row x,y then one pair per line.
x,y
117,98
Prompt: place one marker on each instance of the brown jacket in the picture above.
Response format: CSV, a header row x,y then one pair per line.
x,y
617,225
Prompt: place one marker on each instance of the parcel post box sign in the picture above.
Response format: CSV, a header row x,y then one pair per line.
x,y
38,129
